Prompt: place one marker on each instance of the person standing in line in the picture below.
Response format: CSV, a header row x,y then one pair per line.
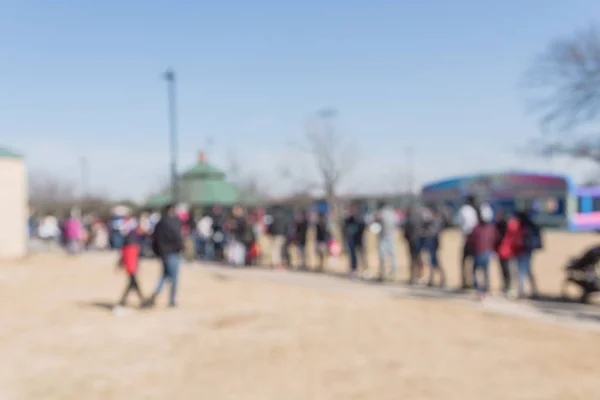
x,y
277,231
388,223
322,237
130,257
482,241
361,254
289,242
205,232
236,249
191,226
413,233
167,245
467,220
352,236
218,238
507,231
528,240
300,236
433,229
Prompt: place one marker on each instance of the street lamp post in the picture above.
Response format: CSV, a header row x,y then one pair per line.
x,y
84,166
169,76
410,170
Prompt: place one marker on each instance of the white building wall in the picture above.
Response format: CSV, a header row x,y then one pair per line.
x,y
13,208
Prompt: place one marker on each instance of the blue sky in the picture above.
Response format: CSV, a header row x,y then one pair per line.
x,y
83,79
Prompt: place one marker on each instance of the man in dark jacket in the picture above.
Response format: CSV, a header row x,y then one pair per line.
x,y
277,231
354,228
300,237
413,233
167,245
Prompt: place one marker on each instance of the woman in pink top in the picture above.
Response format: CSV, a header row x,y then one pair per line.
x,y
72,231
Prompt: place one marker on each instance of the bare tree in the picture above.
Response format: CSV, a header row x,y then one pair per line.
x,y
250,185
565,85
51,194
331,153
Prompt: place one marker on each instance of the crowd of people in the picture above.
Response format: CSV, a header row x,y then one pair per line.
x,y
512,238
232,238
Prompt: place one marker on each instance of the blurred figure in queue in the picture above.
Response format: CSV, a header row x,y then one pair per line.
x,y
354,227
413,234
433,227
387,219
290,237
253,248
467,220
73,233
507,228
205,234
236,246
218,234
277,232
300,238
322,237
482,241
527,241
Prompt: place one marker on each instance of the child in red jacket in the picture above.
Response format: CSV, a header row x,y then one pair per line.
x,y
130,256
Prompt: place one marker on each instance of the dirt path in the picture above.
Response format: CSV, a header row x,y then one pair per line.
x,y
264,335
565,313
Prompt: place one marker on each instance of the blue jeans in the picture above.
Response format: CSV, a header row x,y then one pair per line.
x,y
352,253
301,250
431,244
387,250
524,272
481,262
209,250
170,264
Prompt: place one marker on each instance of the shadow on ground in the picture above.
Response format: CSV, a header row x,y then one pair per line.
x,y
101,305
562,306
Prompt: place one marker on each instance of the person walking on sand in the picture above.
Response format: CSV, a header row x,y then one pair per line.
x,y
129,261
167,245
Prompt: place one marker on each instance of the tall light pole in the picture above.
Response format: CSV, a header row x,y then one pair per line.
x,y
85,171
169,76
410,170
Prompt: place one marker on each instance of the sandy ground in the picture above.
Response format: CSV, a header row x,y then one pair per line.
x,y
252,339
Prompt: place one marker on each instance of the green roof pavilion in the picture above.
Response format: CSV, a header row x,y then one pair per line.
x,y
202,185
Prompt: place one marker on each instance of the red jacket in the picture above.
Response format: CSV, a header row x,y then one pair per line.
x,y
130,254
483,238
508,244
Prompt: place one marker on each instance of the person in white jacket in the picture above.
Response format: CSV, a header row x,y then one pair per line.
x,y
466,219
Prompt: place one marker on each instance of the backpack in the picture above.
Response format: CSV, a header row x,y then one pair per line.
x,y
532,238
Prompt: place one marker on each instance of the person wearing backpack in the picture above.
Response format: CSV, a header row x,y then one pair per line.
x,y
528,240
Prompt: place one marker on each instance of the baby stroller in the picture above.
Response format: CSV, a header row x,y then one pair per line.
x,y
584,272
